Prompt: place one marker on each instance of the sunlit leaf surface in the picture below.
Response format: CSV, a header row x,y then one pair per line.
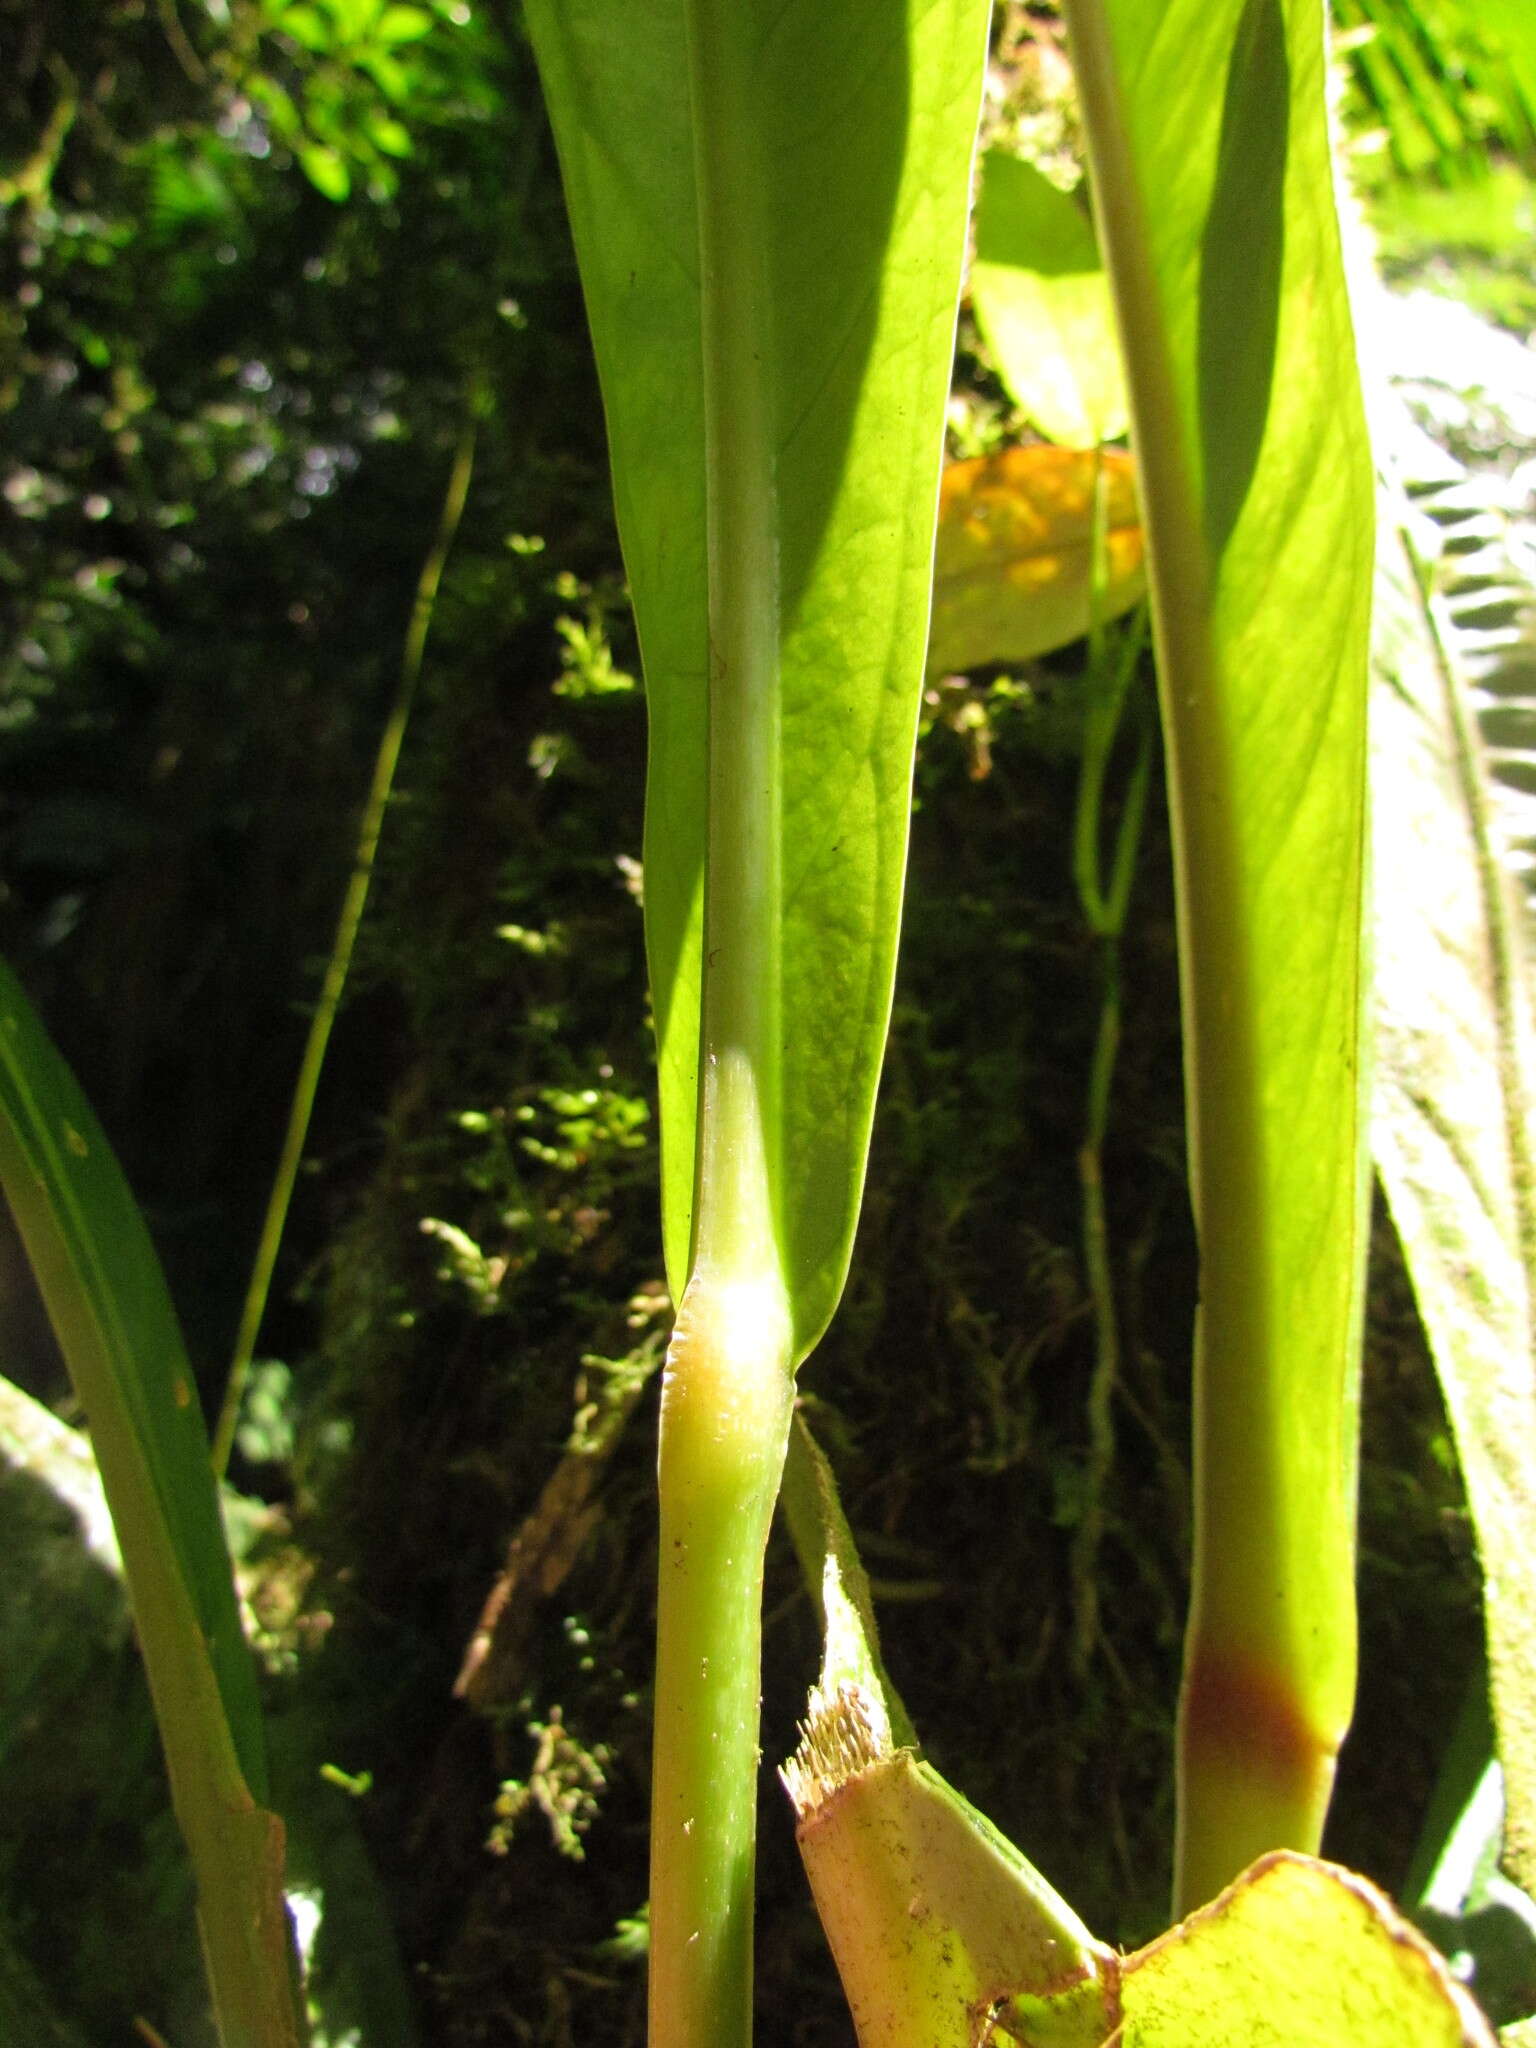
x,y
856,237
1042,303
1213,190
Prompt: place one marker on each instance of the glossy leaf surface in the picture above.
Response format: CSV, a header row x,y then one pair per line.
x,y
1013,570
1214,195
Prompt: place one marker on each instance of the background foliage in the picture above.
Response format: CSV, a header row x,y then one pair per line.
x,y
259,258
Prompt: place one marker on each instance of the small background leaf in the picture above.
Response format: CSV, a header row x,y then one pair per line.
x,y
1013,572
1042,303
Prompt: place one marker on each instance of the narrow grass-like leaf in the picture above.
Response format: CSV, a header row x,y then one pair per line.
x,y
353,904
1213,190
768,203
106,1297
1449,83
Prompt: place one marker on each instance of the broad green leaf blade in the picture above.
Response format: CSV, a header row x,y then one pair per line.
x,y
865,115
1042,303
1013,572
1295,1951
1213,190
106,1297
1453,1130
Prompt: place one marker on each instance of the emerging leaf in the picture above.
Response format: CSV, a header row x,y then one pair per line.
x,y
937,1923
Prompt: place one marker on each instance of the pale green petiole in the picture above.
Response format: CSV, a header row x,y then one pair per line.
x,y
727,1389
724,1425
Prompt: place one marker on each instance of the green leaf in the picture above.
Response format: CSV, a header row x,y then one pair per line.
x,y
1446,85
863,123
392,136
1296,1951
326,169
106,1297
404,24
101,1278
307,25
1208,139
1042,303
1454,1102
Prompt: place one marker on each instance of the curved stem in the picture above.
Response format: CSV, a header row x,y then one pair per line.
x,y
727,1391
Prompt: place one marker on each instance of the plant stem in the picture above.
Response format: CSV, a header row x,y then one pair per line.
x,y
339,964
1271,1028
724,1426
727,1391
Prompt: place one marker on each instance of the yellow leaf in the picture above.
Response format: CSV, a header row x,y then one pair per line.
x,y
1012,573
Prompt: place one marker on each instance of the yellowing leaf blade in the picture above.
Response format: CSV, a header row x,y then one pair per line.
x,y
1296,1952
1013,575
